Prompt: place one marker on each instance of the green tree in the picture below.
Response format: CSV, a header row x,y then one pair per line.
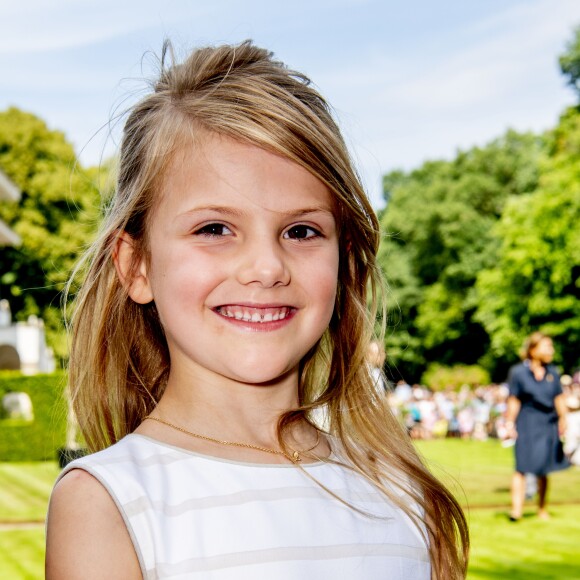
x,y
570,61
55,218
535,283
437,225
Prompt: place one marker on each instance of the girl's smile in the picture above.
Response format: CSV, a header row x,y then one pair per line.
x,y
261,318
243,262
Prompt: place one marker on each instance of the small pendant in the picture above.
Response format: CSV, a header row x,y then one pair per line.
x,y
296,457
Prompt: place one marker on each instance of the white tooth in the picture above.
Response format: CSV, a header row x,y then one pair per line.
x,y
276,316
283,313
267,317
247,317
239,315
255,317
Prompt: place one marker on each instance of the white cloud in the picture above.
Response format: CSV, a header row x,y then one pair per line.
x,y
35,26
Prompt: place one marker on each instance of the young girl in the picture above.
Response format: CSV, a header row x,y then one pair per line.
x,y
226,306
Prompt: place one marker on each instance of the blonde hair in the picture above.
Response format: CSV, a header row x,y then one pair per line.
x,y
119,360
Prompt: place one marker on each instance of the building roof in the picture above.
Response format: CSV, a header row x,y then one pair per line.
x,y
7,236
8,192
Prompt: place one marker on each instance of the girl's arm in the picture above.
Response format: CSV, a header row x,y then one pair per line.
x,y
86,536
513,408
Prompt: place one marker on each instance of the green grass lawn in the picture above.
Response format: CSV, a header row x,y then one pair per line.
x,y
477,472
530,549
24,490
479,475
22,554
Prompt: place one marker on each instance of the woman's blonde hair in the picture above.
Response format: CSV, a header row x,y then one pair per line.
x,y
119,360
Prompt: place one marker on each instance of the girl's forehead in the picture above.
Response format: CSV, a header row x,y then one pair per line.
x,y
215,169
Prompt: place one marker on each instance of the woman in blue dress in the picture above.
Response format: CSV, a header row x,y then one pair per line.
x,y
536,418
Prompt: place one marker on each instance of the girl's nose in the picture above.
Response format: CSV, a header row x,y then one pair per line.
x,y
263,262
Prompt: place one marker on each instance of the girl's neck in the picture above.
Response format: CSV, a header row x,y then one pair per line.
x,y
234,412
225,409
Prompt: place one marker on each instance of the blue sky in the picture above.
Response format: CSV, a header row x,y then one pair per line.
x,y
409,81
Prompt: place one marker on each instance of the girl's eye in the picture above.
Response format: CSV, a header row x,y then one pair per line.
x,y
301,232
214,230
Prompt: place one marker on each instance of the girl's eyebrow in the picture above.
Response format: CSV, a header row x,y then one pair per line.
x,y
234,212
308,210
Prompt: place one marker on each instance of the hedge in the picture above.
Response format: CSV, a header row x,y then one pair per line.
x,y
40,439
438,377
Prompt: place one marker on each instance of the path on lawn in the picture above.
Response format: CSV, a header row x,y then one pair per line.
x,y
24,525
529,504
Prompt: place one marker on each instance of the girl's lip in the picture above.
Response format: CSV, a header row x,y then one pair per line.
x,y
256,305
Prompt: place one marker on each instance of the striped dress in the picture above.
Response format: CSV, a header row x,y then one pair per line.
x,y
195,516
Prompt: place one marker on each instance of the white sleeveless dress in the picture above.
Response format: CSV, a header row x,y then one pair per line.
x,y
195,516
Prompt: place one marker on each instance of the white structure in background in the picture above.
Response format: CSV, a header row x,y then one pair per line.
x,y
18,406
23,344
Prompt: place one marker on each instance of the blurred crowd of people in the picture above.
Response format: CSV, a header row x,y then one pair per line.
x,y
473,413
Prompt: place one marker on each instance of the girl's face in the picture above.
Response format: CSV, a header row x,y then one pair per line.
x,y
543,351
243,262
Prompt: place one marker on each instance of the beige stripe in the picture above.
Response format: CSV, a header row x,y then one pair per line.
x,y
305,553
142,504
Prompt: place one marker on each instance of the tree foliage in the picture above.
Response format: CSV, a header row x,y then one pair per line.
x,y
55,218
485,248
570,61
438,236
535,282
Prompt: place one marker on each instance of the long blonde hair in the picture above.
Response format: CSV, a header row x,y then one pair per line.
x,y
119,360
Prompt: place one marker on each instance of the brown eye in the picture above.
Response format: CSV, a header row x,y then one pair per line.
x,y
214,230
301,232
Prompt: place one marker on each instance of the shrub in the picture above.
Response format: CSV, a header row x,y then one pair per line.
x,y
438,377
40,439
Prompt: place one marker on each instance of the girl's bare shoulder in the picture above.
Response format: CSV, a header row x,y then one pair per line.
x,y
86,535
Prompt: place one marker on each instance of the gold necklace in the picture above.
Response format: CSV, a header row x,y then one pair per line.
x,y
294,457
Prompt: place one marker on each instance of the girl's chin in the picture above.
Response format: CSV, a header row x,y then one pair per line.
x,y
265,377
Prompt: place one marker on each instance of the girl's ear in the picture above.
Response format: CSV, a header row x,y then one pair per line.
x,y
132,275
